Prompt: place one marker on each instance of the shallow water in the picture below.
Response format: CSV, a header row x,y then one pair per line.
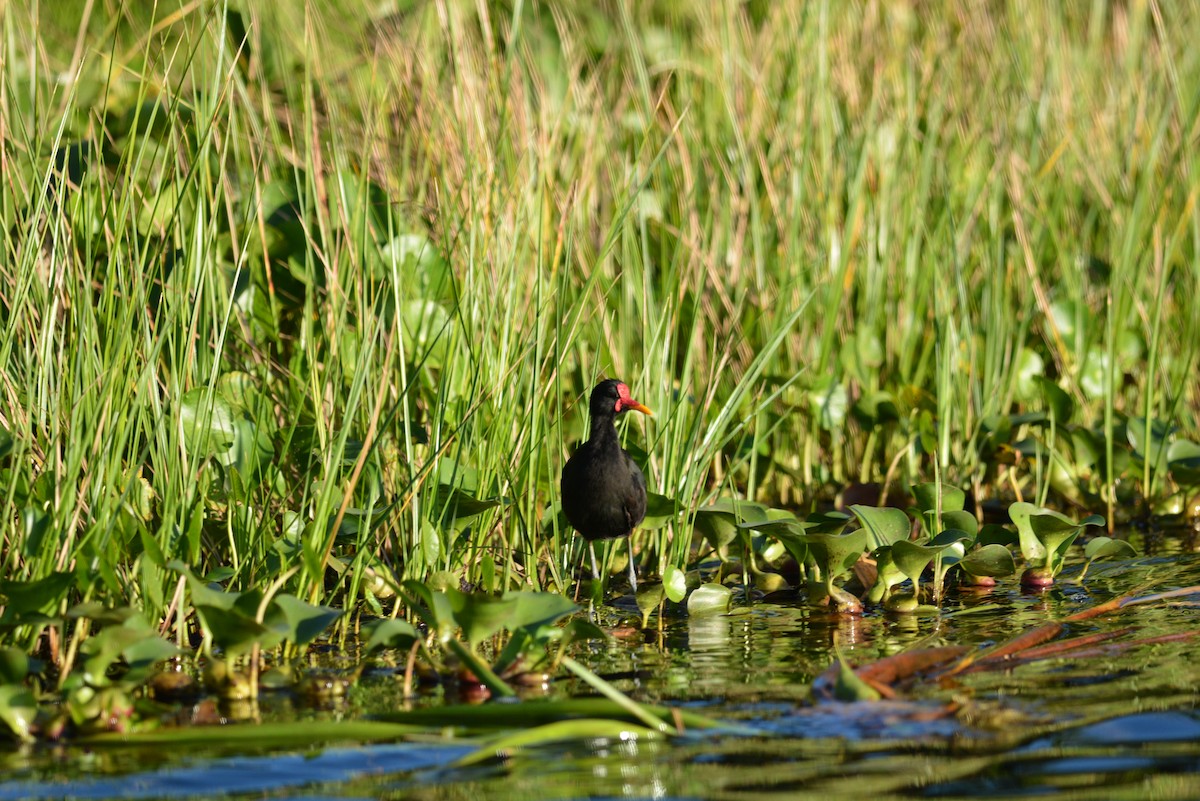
x,y
1121,724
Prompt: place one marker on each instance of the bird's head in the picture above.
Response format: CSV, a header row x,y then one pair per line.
x,y
611,398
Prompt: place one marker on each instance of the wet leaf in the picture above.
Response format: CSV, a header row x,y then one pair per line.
x,y
1108,548
675,583
709,599
649,596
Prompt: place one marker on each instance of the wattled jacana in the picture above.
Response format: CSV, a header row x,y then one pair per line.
x,y
603,491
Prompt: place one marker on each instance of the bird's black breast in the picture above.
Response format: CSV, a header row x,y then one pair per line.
x,y
603,494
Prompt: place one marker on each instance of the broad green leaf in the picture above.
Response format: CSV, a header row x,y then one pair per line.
x,y
1058,402
884,524
961,520
208,423
989,560
481,616
38,596
649,596
18,708
675,583
14,665
709,599
389,633
836,553
926,495
304,621
1108,548
1028,365
660,510
534,609
912,558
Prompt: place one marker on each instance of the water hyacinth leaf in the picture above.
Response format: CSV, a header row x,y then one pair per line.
x,y
660,510
877,408
887,575
208,423
14,665
6,442
912,558
718,523
390,633
1183,458
459,504
101,614
1058,403
18,708
430,542
304,622
480,616
952,539
1093,373
536,609
836,553
1149,445
989,560
1105,548
1108,548
926,496
850,687
1046,534
1029,366
884,524
37,525
1031,547
962,521
829,403
649,596
40,596
709,599
675,583
426,329
135,641
994,534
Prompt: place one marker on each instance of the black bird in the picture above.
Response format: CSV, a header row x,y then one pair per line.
x,y
603,491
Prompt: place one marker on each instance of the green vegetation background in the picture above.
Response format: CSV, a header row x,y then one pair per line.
x,y
310,294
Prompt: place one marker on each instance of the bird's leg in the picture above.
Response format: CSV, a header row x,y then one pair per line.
x,y
595,569
632,569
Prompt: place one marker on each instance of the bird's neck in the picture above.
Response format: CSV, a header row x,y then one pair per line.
x,y
603,431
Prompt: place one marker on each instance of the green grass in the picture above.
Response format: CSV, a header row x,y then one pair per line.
x,y
285,287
